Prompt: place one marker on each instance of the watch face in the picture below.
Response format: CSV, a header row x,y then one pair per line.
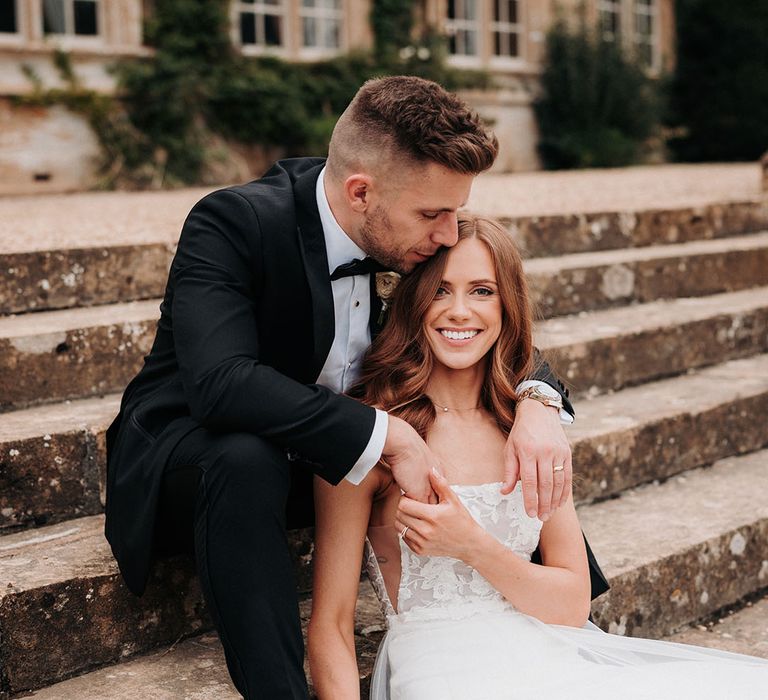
x,y
548,391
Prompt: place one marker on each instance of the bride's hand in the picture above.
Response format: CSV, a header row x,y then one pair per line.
x,y
443,530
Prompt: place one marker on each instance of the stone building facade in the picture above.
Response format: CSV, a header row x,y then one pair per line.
x,y
52,150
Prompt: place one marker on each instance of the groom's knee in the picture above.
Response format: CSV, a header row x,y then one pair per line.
x,y
246,470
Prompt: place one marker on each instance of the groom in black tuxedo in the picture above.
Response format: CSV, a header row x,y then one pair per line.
x,y
264,323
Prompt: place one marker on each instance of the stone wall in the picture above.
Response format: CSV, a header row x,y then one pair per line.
x,y
44,150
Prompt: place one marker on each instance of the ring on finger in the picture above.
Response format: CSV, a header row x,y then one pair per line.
x,y
404,530
558,468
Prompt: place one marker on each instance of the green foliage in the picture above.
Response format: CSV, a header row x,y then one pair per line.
x,y
597,108
719,93
392,24
176,109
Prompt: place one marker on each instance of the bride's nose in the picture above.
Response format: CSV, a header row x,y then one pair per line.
x,y
459,309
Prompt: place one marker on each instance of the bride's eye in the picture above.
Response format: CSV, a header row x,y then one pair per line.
x,y
441,292
484,291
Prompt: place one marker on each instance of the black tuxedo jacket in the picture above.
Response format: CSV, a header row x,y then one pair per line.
x,y
246,325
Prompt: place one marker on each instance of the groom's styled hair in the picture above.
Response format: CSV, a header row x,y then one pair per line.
x,y
407,120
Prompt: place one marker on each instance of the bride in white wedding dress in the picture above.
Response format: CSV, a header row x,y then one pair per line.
x,y
469,616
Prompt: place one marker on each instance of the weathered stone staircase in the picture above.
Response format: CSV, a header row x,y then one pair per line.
x,y
657,319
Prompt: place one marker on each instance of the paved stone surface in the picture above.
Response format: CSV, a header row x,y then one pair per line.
x,y
52,222
743,631
609,349
588,281
678,551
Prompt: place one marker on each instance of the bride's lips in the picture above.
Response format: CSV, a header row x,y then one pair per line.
x,y
458,342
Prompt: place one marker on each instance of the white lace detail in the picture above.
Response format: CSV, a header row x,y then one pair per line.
x,y
371,566
444,587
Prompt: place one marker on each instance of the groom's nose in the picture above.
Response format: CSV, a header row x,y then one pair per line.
x,y
447,231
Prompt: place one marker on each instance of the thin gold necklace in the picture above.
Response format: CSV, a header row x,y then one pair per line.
x,y
445,409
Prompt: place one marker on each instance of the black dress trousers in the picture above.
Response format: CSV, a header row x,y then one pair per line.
x,y
223,497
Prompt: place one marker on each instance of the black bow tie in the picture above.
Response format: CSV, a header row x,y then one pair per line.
x,y
357,267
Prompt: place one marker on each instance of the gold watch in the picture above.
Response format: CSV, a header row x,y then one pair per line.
x,y
543,394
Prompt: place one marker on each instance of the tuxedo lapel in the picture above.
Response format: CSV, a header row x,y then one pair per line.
x,y
376,306
315,258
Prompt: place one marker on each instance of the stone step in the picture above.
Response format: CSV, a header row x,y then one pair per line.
x,y
60,279
742,631
589,281
708,550
132,262
599,351
57,355
678,551
53,461
64,607
654,431
195,668
560,234
52,458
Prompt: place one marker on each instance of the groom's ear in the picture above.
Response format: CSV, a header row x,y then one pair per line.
x,y
357,191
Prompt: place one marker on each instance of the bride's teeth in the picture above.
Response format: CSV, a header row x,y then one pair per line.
x,y
459,335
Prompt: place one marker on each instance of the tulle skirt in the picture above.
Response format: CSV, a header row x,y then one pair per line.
x,y
505,655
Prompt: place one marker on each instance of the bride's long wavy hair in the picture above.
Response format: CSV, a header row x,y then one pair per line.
x,y
396,369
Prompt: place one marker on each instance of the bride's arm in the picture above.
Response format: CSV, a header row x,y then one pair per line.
x,y
341,521
557,592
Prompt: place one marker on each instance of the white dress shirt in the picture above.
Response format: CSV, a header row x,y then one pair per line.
x,y
352,335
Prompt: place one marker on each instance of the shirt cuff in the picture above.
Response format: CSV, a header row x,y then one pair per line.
x,y
565,417
372,453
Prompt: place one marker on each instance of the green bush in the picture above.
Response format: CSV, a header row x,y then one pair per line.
x,y
719,93
597,107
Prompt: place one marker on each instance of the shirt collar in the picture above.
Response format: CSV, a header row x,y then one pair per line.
x,y
339,247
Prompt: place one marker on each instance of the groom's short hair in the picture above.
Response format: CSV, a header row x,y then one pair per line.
x,y
408,118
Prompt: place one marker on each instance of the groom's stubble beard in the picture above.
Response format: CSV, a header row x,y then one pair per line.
x,y
376,239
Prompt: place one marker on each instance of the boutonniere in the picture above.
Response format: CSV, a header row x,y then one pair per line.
x,y
386,283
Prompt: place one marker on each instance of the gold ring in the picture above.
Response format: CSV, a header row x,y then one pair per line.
x,y
405,529
558,468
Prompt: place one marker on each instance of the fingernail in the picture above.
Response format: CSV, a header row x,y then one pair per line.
x,y
544,517
531,513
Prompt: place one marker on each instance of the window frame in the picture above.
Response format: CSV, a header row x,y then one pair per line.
x,y
258,7
68,39
652,39
451,27
613,7
322,15
519,28
19,36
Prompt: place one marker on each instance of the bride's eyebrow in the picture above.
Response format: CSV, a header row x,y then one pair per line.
x,y
483,282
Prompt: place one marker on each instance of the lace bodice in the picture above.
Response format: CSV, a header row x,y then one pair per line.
x,y
436,587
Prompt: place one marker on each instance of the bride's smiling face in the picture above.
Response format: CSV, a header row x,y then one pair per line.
x,y
464,319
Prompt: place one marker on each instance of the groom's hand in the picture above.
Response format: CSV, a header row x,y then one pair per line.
x,y
535,446
410,460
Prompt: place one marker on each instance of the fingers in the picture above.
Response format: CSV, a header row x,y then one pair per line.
x,y
511,471
530,480
415,509
562,480
411,536
546,481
